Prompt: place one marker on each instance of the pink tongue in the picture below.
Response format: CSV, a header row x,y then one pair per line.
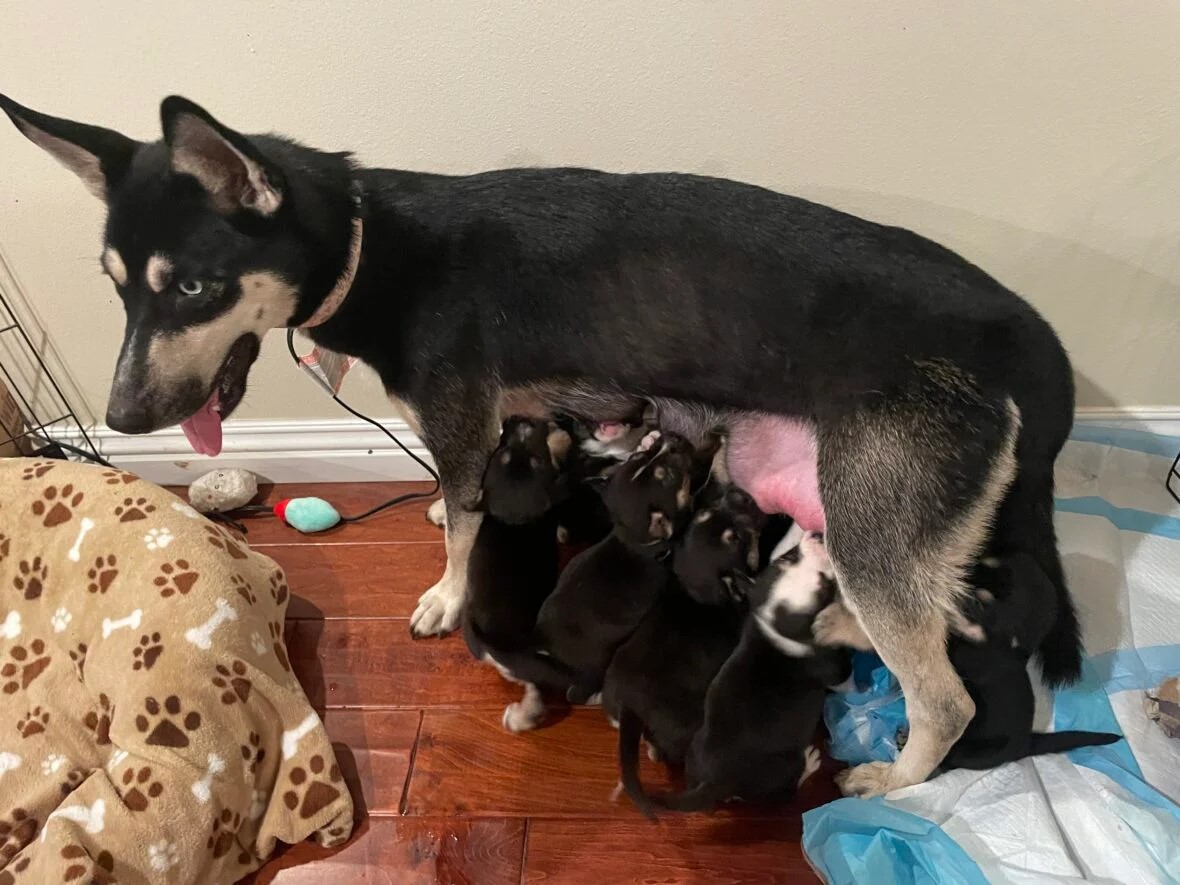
x,y
203,429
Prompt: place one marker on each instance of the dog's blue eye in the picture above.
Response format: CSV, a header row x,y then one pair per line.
x,y
190,287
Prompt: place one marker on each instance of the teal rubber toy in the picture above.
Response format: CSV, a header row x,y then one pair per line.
x,y
307,514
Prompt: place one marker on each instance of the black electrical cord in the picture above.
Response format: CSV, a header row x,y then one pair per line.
x,y
392,502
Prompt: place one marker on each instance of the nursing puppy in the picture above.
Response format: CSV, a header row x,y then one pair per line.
x,y
606,591
1011,608
515,558
655,686
764,707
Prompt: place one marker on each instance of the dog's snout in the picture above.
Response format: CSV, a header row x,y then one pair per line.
x,y
128,416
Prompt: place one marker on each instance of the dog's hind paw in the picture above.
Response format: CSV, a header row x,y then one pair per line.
x,y
436,513
811,763
866,781
439,609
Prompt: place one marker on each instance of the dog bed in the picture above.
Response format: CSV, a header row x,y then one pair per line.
x,y
1105,814
150,726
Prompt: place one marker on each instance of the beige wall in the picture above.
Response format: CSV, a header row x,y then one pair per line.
x,y
1042,140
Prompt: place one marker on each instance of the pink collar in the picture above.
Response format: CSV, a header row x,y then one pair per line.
x,y
336,297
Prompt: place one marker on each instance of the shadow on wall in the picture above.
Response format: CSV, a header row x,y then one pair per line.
x,y
1118,315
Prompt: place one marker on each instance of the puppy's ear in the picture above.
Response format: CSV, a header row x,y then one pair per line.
x,y
228,166
100,157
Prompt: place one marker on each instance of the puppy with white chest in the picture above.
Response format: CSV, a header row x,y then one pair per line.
x,y
763,709
606,591
515,557
655,686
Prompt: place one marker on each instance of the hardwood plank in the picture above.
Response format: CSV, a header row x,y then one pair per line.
x,y
405,522
358,580
407,851
376,663
467,764
374,749
718,850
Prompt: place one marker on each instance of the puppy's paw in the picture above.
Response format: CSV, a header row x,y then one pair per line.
x,y
811,762
439,609
836,626
866,781
649,440
520,717
436,513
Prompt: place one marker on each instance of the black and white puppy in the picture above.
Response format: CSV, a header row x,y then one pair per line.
x,y
655,686
606,591
1010,610
514,562
763,709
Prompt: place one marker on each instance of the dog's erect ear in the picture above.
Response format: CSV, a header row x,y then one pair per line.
x,y
100,157
232,171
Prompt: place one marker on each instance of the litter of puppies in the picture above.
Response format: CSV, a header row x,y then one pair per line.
x,y
705,628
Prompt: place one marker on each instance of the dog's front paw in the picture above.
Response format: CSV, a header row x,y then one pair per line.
x,y
521,716
865,781
439,609
437,513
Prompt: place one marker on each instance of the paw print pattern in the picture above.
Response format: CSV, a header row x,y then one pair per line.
x,y
36,470
234,682
279,591
225,828
139,789
318,784
30,578
98,721
253,753
175,578
163,855
280,648
8,877
56,505
78,656
35,721
118,477
238,584
223,541
163,725
103,573
259,644
72,781
60,620
16,831
52,763
147,652
5,546
134,508
25,663
157,539
100,869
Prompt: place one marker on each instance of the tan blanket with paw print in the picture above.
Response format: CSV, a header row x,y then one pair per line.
x,y
151,729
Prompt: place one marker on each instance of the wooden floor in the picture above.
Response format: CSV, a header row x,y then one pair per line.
x,y
444,794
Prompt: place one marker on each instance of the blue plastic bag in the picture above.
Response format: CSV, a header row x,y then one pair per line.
x,y
864,722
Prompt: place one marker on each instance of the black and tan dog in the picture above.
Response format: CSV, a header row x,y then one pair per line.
x,y
867,378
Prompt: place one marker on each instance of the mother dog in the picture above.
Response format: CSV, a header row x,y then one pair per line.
x,y
852,364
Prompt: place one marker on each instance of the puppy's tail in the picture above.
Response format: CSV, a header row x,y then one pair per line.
x,y
1062,741
630,734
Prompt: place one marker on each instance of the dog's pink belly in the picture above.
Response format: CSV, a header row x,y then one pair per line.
x,y
774,459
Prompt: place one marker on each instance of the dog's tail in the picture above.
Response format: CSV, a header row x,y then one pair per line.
x,y
1061,741
630,735
1025,523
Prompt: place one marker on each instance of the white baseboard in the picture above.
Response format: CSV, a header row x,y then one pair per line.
x,y
350,450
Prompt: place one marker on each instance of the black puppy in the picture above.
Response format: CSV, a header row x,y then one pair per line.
x,y
606,591
1011,609
655,686
514,562
764,707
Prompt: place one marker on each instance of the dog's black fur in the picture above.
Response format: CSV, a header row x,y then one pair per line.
x,y
606,591
763,709
656,683
1013,603
588,290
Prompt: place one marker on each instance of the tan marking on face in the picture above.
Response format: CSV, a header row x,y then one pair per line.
x,y
199,351
158,272
112,263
